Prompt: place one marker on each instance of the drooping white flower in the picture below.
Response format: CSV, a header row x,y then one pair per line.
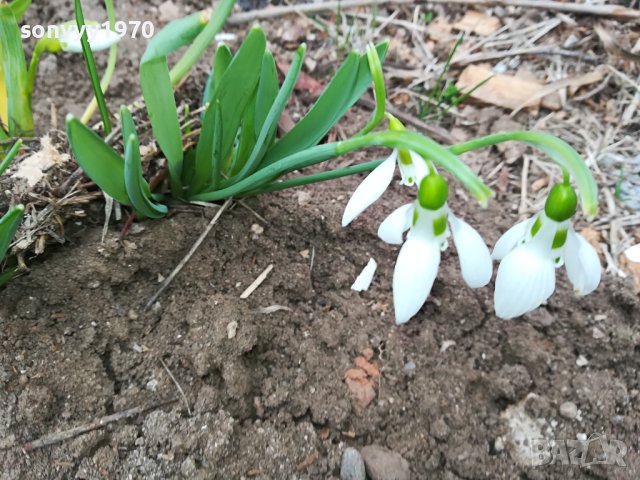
x,y
430,223
412,169
100,38
530,252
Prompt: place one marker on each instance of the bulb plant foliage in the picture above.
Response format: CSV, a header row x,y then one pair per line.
x,y
17,80
239,153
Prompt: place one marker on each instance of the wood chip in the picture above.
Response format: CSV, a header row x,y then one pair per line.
x,y
478,22
257,282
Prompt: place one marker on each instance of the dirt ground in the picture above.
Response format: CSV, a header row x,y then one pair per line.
x,y
236,388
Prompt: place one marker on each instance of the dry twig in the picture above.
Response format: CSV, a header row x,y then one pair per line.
x,y
186,259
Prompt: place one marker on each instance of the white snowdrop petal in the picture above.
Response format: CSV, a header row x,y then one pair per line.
x,y
370,190
391,230
510,239
99,39
475,259
413,276
582,263
633,253
525,280
363,282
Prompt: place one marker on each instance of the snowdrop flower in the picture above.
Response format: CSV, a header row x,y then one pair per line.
x,y
531,250
412,169
99,38
419,258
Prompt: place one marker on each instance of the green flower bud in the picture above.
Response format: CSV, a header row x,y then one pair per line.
x,y
433,192
396,125
562,203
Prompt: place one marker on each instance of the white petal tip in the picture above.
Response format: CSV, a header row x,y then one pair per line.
x,y
633,253
363,282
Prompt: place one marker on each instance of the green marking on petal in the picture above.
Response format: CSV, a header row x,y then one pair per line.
x,y
404,157
559,239
536,226
415,216
440,225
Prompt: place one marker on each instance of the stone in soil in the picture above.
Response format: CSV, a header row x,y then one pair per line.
x,y
352,467
384,464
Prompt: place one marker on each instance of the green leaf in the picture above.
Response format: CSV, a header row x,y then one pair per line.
x,y
8,226
10,156
221,62
202,41
246,139
92,69
99,161
344,90
267,90
19,8
137,186
231,97
174,35
163,114
275,112
14,72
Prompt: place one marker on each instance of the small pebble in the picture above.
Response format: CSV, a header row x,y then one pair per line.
x,y
232,330
598,334
498,445
582,361
384,464
569,410
582,437
257,229
352,466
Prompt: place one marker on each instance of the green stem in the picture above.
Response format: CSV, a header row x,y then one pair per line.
x,y
40,48
318,177
560,152
10,156
111,66
202,41
92,69
379,90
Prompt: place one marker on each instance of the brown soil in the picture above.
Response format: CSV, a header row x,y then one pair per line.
x,y
270,402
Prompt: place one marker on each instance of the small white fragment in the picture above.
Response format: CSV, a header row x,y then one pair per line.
x,y
257,229
582,361
582,437
305,254
446,344
363,282
232,330
633,253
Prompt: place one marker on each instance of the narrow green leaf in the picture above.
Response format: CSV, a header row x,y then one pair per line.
x,y
221,62
163,114
14,72
99,161
267,91
92,69
174,35
344,90
275,112
246,138
232,95
137,186
10,156
9,224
